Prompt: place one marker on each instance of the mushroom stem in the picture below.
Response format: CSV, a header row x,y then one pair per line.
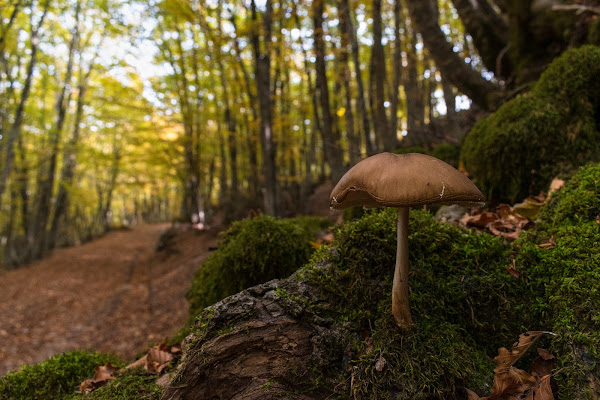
x,y
400,307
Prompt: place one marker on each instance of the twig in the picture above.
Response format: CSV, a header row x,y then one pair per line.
x,y
579,8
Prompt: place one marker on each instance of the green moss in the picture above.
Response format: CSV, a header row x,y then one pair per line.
x,y
353,213
54,378
539,135
464,302
250,252
447,152
135,384
566,281
576,203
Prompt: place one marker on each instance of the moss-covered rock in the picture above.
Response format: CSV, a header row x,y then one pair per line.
x,y
253,251
576,203
541,134
55,378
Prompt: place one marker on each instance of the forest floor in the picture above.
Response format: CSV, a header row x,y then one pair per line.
x,y
117,294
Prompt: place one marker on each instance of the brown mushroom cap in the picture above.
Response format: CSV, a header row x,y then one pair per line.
x,y
403,180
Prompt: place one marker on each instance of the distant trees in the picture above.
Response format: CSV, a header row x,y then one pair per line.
x,y
254,103
71,134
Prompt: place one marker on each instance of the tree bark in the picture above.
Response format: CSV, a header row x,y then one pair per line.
x,y
451,65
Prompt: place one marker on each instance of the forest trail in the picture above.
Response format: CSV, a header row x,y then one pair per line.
x,y
116,294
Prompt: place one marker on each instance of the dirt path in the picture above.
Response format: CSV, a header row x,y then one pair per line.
x,y
115,294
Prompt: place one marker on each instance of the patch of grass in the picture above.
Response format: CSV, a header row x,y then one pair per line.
x,y
54,378
253,251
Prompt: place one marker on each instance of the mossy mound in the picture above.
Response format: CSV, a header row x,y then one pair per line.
x,y
531,139
55,378
465,304
447,152
253,251
565,279
576,203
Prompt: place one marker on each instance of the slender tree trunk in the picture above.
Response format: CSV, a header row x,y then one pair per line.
x,y
378,71
397,72
46,183
330,136
413,90
454,133
360,87
15,130
263,84
69,161
251,135
229,121
353,142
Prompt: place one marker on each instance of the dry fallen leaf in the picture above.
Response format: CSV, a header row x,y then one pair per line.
x,y
555,185
480,220
380,364
511,383
158,358
512,269
102,374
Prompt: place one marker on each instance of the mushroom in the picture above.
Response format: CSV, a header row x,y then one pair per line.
x,y
403,181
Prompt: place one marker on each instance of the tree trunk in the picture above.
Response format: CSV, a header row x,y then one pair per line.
x,y
451,65
15,130
353,140
489,32
263,85
360,87
454,133
413,90
69,162
378,71
397,66
330,137
46,183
